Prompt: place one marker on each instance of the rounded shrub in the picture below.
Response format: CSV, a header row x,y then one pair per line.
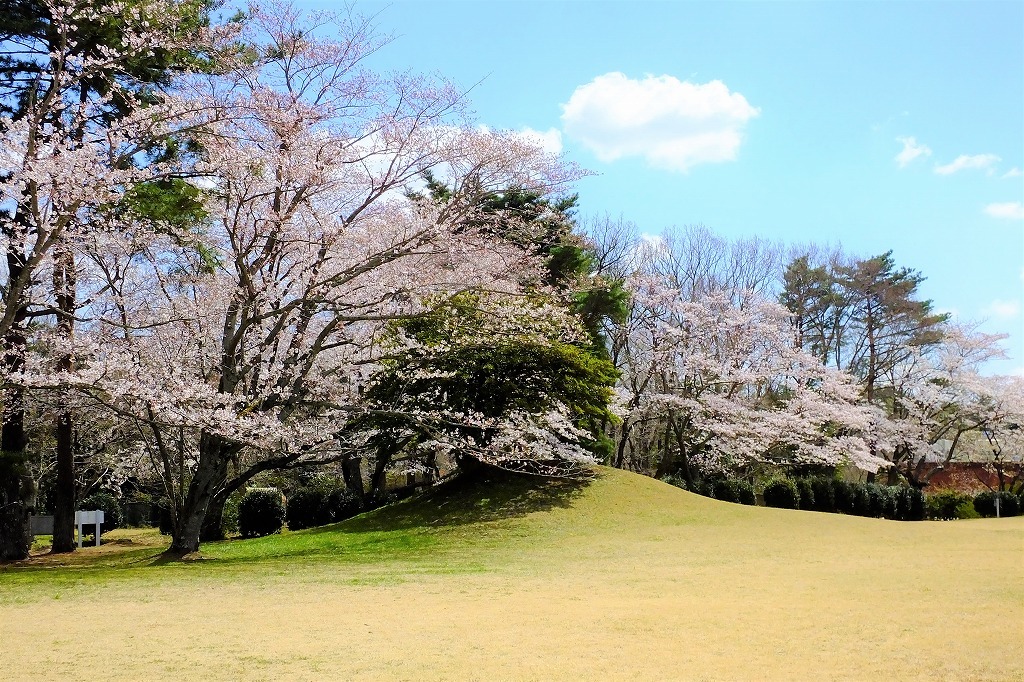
x,y
781,493
745,493
843,496
985,504
947,505
111,508
261,512
725,490
806,493
306,509
909,504
320,504
824,494
861,504
342,504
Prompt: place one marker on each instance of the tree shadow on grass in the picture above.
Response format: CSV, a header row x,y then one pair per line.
x,y
489,494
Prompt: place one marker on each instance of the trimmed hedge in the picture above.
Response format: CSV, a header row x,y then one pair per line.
x,y
261,512
949,504
319,505
781,493
985,504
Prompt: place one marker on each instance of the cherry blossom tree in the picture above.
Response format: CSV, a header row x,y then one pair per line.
x,y
83,118
940,396
723,375
246,345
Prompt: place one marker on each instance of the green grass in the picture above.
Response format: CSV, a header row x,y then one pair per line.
x,y
514,578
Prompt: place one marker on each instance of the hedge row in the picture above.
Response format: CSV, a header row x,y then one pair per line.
x,y
724,489
825,494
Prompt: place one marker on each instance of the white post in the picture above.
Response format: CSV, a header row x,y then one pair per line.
x,y
997,504
79,519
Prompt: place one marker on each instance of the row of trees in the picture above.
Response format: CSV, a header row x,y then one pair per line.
x,y
746,353
231,248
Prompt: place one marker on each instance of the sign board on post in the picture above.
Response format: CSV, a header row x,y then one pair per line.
x,y
84,518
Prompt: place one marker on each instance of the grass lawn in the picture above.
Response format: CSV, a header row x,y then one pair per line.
x,y
624,578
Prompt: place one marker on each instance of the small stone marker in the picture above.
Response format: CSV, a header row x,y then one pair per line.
x,y
85,518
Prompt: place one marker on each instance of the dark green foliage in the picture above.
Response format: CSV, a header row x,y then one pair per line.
x,y
261,512
745,493
947,504
824,493
782,493
843,496
909,504
677,481
111,508
725,490
881,500
985,504
320,504
806,494
861,503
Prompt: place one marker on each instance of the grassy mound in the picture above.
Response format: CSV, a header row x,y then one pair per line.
x,y
506,577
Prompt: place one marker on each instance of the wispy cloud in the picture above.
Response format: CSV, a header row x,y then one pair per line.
x,y
968,162
1012,173
911,150
550,140
1002,309
1010,210
672,124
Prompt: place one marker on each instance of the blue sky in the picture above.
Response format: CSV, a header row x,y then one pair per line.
x,y
785,120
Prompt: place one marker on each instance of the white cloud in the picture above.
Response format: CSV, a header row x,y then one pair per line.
x,y
968,161
1012,173
672,124
549,140
1002,309
1012,210
911,150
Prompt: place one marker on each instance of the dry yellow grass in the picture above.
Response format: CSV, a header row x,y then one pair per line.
x,y
628,579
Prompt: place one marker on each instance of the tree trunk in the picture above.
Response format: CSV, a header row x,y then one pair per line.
x,y
352,471
15,484
208,480
64,287
64,490
213,525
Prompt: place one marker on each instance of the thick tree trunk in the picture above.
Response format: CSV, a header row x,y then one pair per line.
x,y
64,288
213,525
208,480
64,490
15,484
352,471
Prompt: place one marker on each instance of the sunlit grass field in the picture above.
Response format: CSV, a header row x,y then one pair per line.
x,y
622,578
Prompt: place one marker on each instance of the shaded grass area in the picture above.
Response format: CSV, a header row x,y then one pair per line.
x,y
418,530
518,578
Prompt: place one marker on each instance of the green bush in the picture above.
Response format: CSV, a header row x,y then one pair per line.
x,y
781,493
806,493
824,494
320,504
261,512
343,504
861,504
948,504
725,490
676,481
985,504
909,504
745,493
111,507
844,496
